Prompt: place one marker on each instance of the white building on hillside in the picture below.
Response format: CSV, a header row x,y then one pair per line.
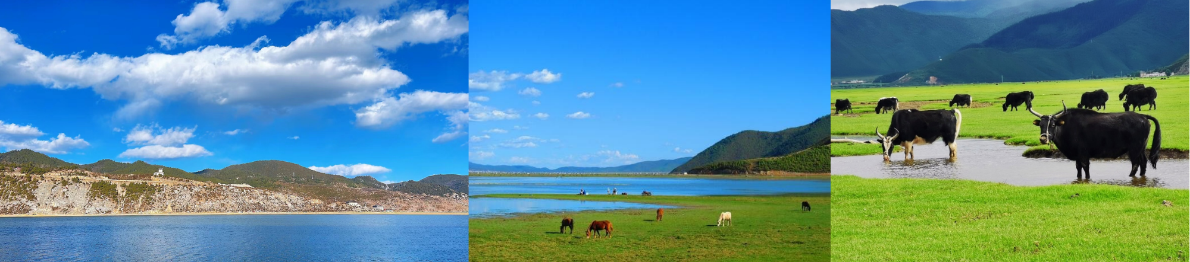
x,y
160,172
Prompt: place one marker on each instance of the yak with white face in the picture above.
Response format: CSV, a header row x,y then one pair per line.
x,y
911,126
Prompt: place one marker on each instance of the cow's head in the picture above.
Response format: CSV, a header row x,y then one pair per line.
x,y
1048,123
887,142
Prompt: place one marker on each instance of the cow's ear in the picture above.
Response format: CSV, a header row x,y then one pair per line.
x,y
1061,122
1037,122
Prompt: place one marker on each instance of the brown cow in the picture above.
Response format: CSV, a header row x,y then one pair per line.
x,y
659,213
567,222
597,226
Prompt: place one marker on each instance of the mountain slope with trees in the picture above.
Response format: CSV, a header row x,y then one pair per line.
x,y
758,144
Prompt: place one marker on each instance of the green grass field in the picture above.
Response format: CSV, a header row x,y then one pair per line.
x,y
765,228
987,120
959,220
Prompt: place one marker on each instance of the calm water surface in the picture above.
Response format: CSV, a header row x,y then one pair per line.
x,y
993,161
235,238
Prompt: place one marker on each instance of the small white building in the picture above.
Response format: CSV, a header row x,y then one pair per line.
x,y
1153,74
160,172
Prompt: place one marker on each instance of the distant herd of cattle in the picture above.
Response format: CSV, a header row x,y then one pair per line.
x,y
1080,134
605,226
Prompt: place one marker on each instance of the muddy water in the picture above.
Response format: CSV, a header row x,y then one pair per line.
x,y
991,160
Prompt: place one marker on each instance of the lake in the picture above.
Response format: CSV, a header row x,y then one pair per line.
x,y
993,161
670,186
491,206
235,238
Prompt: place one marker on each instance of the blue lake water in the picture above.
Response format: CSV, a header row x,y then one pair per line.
x,y
490,206
235,238
487,207
635,185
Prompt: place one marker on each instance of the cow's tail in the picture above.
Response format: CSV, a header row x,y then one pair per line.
x,y
1156,141
958,123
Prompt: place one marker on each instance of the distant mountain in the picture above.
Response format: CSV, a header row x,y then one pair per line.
x,y
457,183
30,157
1094,39
886,39
1178,67
370,181
656,166
268,173
109,166
1016,9
813,160
759,144
416,187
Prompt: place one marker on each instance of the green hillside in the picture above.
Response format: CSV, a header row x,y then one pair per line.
x,y
759,144
415,187
886,39
457,183
1178,67
814,160
1017,9
268,173
1090,40
30,157
107,166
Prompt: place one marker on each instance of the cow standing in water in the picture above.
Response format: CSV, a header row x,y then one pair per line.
x,y
597,226
567,222
911,126
1082,134
659,213
805,206
842,105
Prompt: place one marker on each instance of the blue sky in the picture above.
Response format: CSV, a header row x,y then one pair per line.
x,y
665,80
198,84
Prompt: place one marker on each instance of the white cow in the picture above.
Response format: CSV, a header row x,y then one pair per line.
x,y
725,216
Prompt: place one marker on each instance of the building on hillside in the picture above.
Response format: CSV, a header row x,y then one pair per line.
x,y
160,172
1152,74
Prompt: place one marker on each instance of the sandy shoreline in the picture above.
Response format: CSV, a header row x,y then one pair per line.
x,y
229,214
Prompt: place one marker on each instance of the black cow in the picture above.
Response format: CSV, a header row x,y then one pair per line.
x,y
1083,134
961,100
886,104
1129,88
1016,99
842,105
1094,100
911,126
805,206
1141,96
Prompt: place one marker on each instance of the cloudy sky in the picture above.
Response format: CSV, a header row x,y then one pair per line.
x,y
346,87
850,5
605,84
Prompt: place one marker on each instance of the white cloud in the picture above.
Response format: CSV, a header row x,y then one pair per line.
x,y
166,152
235,132
578,115
160,143
520,160
536,103
447,137
518,144
333,64
851,5
458,126
388,111
490,81
496,131
526,141
544,76
482,99
586,94
479,113
680,150
352,170
358,7
480,155
617,84
530,92
542,116
614,156
14,137
117,129
520,127
480,138
294,137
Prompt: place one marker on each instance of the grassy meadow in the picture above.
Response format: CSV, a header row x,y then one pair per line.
x,y
959,220
765,228
985,119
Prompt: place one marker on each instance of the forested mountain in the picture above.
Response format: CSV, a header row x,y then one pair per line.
x,y
109,166
1012,9
886,39
30,157
758,144
813,160
454,182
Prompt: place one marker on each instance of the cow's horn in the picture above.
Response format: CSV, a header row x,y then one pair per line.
x,y
878,133
894,137
1034,112
1063,109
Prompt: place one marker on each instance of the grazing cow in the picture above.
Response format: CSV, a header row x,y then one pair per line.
x,y
1082,134
623,194
1139,97
909,127
1094,100
1129,88
725,216
805,206
887,104
961,100
842,105
659,213
646,193
567,222
600,225
1016,99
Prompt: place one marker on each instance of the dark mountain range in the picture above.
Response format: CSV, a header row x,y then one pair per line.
x,y
886,39
759,144
457,183
1014,9
656,166
813,160
30,157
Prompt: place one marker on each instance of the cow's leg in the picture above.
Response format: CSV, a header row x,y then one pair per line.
x,y
1087,168
953,151
1078,167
